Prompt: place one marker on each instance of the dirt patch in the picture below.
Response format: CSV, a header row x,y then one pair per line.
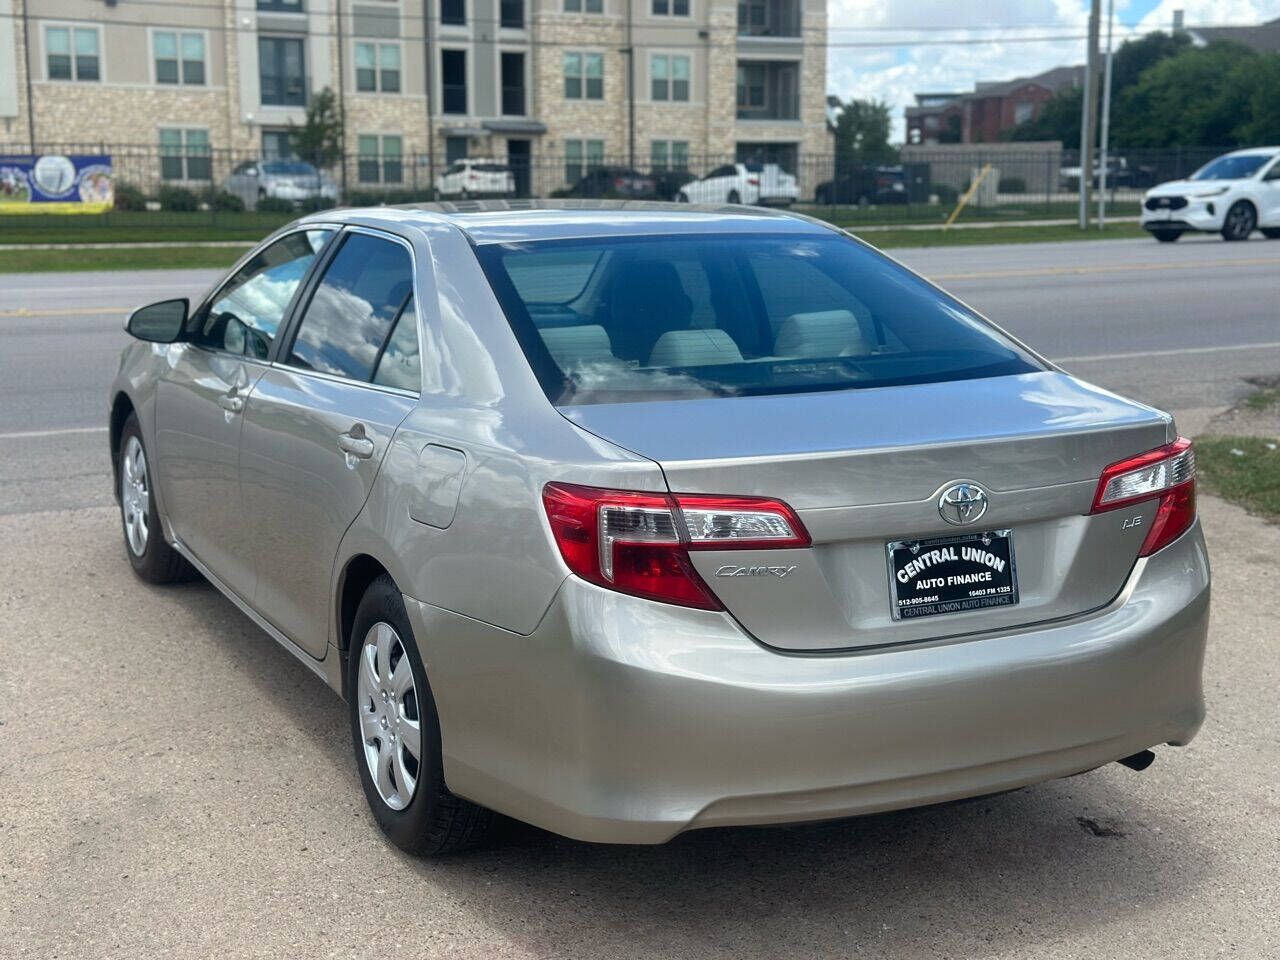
x,y
1258,415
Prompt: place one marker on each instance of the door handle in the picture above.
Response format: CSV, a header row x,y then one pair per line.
x,y
231,403
355,444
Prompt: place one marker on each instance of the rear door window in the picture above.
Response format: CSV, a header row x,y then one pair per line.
x,y
350,321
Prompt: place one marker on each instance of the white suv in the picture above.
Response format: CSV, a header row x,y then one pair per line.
x,y
1232,195
763,183
476,177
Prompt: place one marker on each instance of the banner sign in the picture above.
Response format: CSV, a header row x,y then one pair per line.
x,y
55,184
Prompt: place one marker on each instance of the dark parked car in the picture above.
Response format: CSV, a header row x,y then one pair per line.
x,y
864,185
667,183
615,183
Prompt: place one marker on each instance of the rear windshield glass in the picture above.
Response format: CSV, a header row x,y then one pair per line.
x,y
294,169
489,167
621,319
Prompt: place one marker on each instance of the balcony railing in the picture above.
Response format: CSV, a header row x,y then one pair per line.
x,y
768,18
513,101
773,108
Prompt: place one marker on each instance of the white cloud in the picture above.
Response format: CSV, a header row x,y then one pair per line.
x,y
896,73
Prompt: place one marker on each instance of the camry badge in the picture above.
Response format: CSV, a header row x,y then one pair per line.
x,y
962,503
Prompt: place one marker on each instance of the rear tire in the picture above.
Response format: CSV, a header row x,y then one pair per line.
x,y
150,556
1271,233
1166,236
682,197
418,813
1240,222
734,197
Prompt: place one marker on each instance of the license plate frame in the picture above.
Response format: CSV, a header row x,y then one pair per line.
x,y
929,598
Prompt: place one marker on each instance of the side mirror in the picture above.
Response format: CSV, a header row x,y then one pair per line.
x,y
159,322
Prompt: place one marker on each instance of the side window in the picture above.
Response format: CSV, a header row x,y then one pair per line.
x,y
247,311
399,365
366,287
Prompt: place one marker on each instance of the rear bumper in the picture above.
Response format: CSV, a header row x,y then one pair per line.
x,y
621,720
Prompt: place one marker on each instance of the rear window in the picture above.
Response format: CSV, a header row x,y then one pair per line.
x,y
622,319
490,167
290,169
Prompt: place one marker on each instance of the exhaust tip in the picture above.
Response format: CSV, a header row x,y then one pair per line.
x,y
1139,761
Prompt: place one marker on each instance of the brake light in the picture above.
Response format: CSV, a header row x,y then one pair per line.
x,y
639,543
753,181
1166,472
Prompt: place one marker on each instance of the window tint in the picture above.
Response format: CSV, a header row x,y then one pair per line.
x,y
365,287
399,365
246,313
623,318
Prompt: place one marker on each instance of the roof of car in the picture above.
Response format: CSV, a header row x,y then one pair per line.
x,y
1255,151
509,221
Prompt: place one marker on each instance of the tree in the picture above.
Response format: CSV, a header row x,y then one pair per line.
x,y
319,139
862,135
1218,95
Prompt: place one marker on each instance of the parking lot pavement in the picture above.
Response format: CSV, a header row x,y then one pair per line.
x,y
176,785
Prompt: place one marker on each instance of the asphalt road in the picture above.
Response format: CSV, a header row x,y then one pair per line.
x,y
173,784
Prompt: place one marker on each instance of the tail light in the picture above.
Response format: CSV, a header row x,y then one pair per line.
x,y
1166,472
639,543
753,181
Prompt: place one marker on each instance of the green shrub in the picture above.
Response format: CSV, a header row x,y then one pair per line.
x,y
374,198
1013,185
225,202
314,204
178,199
274,205
129,197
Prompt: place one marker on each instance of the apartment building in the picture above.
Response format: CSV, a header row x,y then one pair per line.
x,y
644,83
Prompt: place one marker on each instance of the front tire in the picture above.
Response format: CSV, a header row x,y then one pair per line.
x,y
396,734
1166,236
150,556
682,197
1240,222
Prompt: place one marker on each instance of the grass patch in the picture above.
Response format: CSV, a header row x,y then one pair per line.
x,y
961,238
1244,470
53,261
140,226
1263,399
853,217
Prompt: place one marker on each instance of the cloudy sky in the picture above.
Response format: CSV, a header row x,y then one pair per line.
x,y
887,71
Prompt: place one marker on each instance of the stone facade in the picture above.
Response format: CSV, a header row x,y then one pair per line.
x,y
126,107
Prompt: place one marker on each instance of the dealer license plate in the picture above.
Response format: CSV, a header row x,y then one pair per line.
x,y
952,574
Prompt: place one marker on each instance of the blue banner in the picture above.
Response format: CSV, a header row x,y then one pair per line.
x,y
54,183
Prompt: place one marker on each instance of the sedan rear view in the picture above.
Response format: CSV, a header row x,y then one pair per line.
x,y
710,517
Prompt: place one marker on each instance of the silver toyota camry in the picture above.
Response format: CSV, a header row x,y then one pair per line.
x,y
631,519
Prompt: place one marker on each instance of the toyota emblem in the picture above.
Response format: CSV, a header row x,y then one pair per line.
x,y
962,503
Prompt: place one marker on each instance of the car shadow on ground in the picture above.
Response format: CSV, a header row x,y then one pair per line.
x,y
975,876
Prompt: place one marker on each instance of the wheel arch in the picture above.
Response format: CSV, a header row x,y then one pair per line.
x,y
359,571
121,407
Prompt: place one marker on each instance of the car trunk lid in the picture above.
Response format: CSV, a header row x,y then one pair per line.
x,y
864,468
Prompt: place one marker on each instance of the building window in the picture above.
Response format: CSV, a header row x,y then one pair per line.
x,y
584,6
73,53
185,155
512,66
669,154
453,13
380,158
179,57
455,149
280,6
670,77
511,14
581,157
276,145
453,81
751,85
584,76
1023,111
670,8
282,71
378,67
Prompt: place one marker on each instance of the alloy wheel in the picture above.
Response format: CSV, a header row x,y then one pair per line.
x,y
135,496
1240,221
390,721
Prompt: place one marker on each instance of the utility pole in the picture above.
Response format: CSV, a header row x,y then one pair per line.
x,y
1088,112
1106,121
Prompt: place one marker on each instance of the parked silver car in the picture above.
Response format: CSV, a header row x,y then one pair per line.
x,y
291,180
629,519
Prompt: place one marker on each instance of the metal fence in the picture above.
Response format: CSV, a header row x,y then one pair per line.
x,y
1016,179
